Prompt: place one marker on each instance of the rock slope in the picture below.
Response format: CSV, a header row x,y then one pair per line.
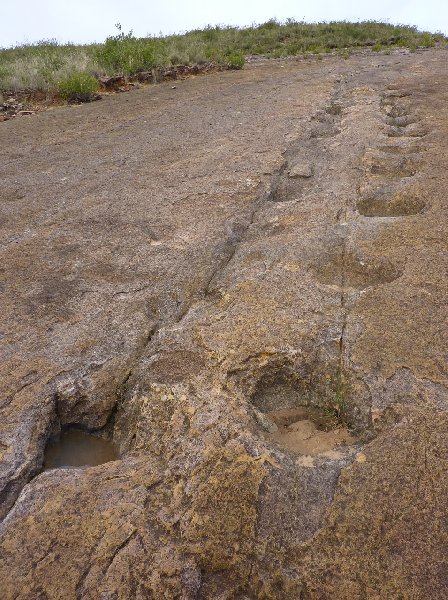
x,y
242,282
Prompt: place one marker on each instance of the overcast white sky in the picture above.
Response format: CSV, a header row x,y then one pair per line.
x,y
84,21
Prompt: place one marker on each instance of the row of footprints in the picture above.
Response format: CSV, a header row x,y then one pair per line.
x,y
338,264
296,175
388,189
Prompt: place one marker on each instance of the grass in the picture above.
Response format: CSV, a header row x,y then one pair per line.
x,y
335,404
78,87
66,70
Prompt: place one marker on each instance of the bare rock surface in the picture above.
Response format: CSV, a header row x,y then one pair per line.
x,y
242,283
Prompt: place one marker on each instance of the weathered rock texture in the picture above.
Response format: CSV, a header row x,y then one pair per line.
x,y
177,266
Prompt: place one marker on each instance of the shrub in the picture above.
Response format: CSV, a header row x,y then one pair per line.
x,y
4,74
78,87
125,54
235,60
427,40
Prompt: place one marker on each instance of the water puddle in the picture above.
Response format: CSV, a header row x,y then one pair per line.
x,y
307,431
76,448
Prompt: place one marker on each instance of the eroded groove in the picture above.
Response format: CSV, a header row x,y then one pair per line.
x,y
343,307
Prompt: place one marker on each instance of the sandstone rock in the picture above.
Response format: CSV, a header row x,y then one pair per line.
x,y
167,284
265,422
112,83
145,76
300,170
379,547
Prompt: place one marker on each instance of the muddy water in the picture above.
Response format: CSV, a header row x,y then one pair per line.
x,y
77,449
308,431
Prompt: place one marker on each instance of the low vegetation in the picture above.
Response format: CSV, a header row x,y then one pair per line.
x,y
78,87
335,406
72,71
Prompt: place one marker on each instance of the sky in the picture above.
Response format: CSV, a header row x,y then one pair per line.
x,y
87,21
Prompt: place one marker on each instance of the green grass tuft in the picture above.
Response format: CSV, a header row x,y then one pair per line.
x,y
335,406
78,87
235,60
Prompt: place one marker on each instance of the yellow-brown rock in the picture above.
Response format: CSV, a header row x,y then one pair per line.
x,y
202,275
